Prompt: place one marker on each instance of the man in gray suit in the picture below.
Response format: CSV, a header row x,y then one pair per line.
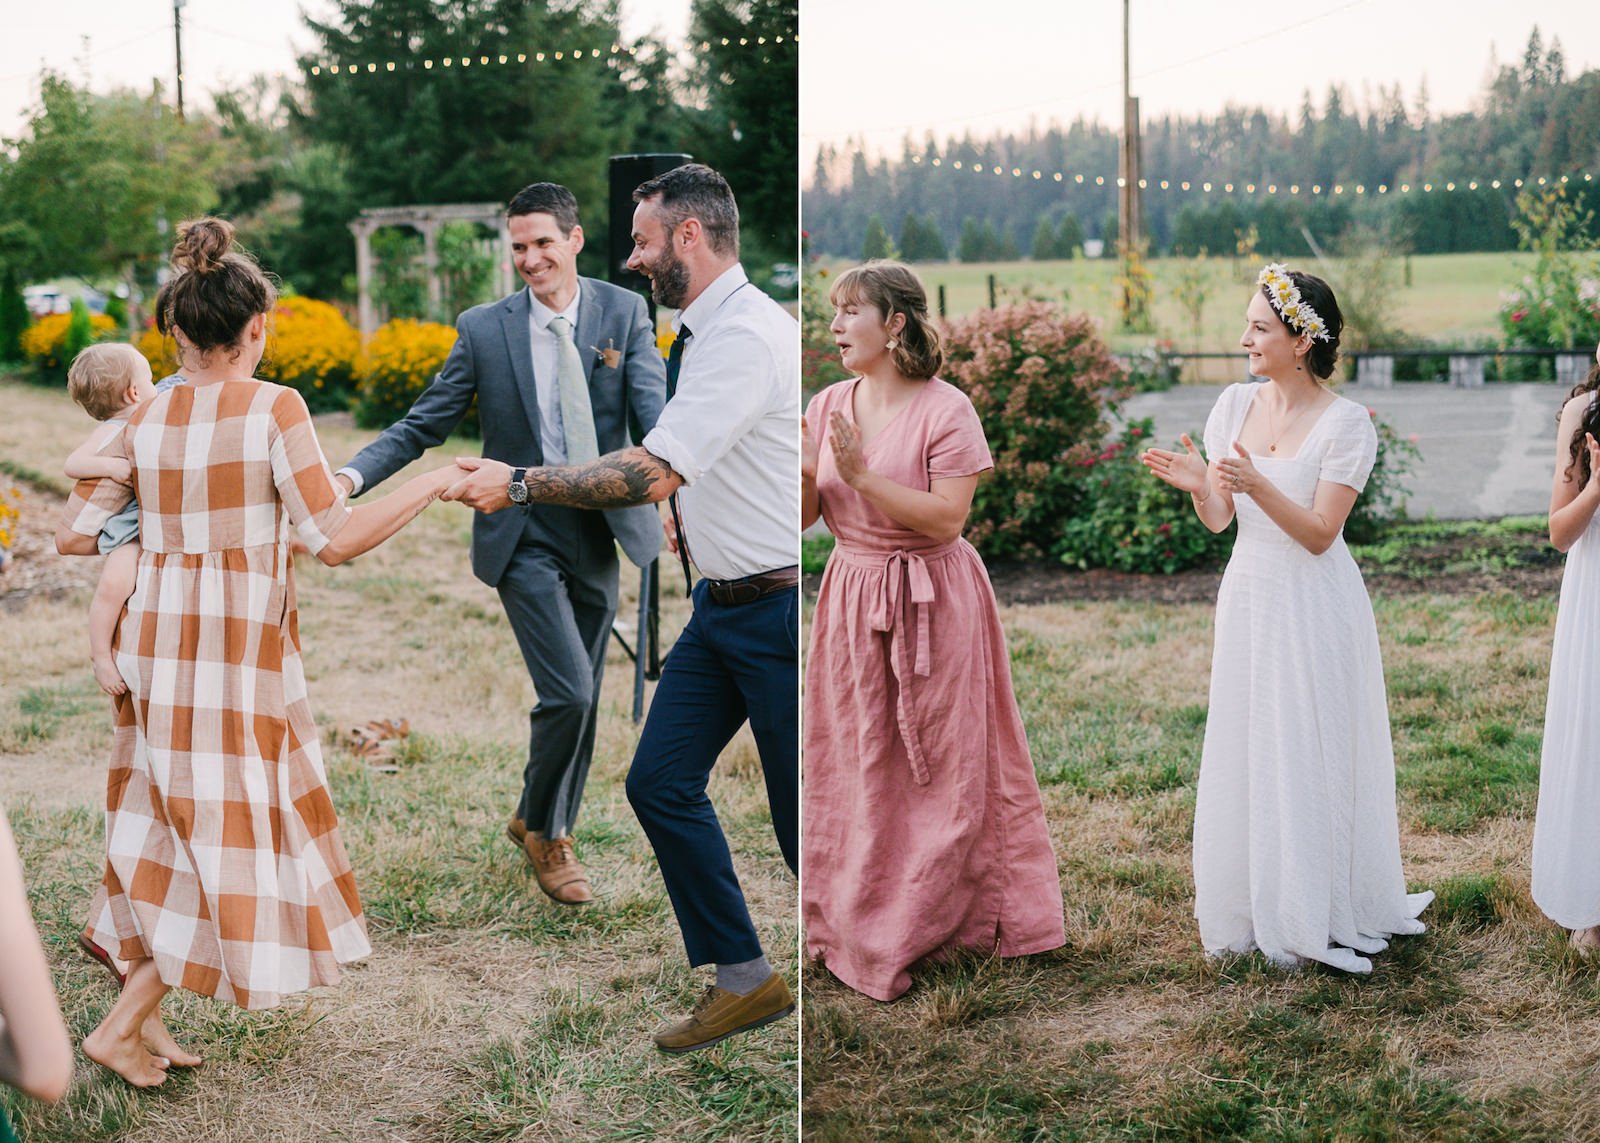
x,y
556,369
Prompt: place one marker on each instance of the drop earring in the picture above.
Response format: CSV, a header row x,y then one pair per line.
x,y
892,344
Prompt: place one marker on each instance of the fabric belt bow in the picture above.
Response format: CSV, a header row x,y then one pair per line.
x,y
907,569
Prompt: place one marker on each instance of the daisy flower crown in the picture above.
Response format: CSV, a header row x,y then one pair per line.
x,y
1292,308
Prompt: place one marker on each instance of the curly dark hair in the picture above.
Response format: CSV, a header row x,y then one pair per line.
x,y
1590,424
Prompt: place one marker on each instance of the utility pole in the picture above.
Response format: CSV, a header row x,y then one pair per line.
x,y
1128,198
177,39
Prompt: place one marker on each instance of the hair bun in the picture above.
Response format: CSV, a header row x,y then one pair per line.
x,y
202,244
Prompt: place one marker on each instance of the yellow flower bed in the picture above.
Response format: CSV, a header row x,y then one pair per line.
x,y
45,339
161,352
312,348
8,516
400,360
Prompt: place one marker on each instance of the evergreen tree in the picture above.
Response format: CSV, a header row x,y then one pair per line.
x,y
80,333
1069,239
933,247
1044,247
1006,246
911,237
971,247
13,317
877,243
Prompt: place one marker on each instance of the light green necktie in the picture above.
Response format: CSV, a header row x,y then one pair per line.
x,y
577,417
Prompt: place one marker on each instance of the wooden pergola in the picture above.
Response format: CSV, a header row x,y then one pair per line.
x,y
426,220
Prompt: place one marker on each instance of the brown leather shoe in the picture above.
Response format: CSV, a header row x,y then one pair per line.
x,y
517,831
721,1014
557,870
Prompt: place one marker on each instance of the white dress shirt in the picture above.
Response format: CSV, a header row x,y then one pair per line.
x,y
547,371
733,430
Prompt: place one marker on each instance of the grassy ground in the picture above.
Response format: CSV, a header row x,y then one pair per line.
x,y
485,1013
1452,297
1485,1028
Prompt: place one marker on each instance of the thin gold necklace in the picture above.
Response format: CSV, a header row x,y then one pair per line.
x,y
1274,435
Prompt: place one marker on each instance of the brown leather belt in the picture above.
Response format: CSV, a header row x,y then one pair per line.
x,y
752,587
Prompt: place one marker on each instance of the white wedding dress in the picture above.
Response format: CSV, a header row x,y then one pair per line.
x,y
1296,840
1566,860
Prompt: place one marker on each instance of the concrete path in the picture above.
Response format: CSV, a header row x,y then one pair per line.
x,y
1485,452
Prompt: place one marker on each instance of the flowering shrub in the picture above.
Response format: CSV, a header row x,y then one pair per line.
x,y
312,348
819,356
161,352
399,362
44,343
1042,382
1133,522
1558,305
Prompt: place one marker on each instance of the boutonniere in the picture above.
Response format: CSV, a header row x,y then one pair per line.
x,y
611,355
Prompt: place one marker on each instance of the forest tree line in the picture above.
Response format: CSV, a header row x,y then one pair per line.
x,y
928,204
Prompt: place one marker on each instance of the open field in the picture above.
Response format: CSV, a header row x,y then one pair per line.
x,y
1485,1028
485,1013
1452,298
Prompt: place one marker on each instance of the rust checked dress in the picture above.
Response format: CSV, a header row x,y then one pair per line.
x,y
924,828
223,858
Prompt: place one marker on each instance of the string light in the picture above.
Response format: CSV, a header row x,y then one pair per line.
x,y
522,58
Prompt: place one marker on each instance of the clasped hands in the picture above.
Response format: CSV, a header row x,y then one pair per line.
x,y
1187,470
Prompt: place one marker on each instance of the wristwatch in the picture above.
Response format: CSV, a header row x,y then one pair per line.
x,y
517,490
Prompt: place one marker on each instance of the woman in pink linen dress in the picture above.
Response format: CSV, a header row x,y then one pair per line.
x,y
924,829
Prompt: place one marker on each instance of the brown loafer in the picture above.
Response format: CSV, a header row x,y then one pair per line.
x,y
721,1014
556,868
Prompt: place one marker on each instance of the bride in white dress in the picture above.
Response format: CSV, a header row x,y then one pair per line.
x,y
1566,864
1296,840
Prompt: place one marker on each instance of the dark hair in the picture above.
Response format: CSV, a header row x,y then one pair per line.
x,y
546,198
215,291
1590,424
893,288
1323,355
694,190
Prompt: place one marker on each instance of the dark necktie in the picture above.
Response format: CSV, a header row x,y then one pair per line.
x,y
674,364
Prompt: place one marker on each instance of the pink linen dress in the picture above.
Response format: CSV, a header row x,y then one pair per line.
x,y
924,829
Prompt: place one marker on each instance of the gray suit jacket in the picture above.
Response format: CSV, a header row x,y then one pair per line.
x,y
493,360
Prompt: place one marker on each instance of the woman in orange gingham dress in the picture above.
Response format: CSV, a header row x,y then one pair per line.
x,y
224,872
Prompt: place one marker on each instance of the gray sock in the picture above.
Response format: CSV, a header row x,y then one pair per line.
x,y
743,979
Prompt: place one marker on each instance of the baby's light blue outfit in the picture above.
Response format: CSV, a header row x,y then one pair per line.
x,y
124,526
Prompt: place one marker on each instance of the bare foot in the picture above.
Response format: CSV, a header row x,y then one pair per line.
x,y
127,1057
160,1041
107,675
1587,941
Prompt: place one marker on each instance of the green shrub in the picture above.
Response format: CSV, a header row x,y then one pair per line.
x,y
1134,522
80,332
1043,384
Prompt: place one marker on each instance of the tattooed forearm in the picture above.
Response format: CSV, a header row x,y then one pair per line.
x,y
616,480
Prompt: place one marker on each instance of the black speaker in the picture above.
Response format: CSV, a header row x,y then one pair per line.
x,y
624,174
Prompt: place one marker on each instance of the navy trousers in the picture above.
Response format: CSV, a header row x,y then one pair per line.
x,y
731,664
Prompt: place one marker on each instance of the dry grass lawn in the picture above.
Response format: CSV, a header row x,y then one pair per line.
x,y
1485,1028
485,1013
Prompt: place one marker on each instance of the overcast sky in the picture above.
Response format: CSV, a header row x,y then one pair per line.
x,y
128,43
878,70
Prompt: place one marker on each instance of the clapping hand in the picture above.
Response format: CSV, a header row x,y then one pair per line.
x,y
848,457
810,450
1185,471
1239,473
